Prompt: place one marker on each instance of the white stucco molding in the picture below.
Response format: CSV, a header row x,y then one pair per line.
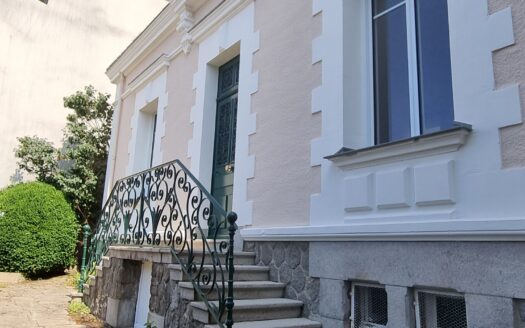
x,y
230,37
158,66
115,123
415,147
175,14
457,230
155,89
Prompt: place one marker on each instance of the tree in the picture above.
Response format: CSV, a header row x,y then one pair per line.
x,y
79,167
39,157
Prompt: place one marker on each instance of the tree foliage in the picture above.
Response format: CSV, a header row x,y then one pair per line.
x,y
39,157
79,167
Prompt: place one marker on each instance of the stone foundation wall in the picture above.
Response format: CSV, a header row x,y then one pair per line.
x,y
117,287
289,264
161,289
179,312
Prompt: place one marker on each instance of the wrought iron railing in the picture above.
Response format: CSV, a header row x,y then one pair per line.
x,y
167,206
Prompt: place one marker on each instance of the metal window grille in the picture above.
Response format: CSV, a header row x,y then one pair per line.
x,y
440,310
369,306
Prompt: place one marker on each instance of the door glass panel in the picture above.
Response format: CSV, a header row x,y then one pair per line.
x,y
392,99
435,77
225,130
382,5
153,140
223,133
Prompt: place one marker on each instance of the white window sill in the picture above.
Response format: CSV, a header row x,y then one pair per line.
x,y
445,141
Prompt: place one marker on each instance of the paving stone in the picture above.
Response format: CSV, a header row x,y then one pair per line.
x,y
31,304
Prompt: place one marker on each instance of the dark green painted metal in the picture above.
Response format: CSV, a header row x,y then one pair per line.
x,y
167,206
225,137
86,231
232,218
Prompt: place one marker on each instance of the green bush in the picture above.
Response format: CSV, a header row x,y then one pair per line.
x,y
38,230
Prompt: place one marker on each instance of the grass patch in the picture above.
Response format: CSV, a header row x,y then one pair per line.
x,y
3,285
73,278
80,312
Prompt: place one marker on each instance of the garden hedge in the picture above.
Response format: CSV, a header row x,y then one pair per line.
x,y
38,230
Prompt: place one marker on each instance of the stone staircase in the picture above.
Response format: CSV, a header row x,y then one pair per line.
x,y
259,302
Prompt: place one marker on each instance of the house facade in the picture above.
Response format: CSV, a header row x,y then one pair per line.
x,y
373,151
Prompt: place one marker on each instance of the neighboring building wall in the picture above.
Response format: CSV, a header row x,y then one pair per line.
x,y
51,51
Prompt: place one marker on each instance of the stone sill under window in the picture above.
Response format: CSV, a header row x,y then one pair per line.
x,y
435,143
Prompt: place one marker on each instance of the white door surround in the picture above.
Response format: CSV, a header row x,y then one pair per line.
x,y
234,37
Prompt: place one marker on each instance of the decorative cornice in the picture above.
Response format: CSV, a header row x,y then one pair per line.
x,y
152,71
176,16
185,20
186,42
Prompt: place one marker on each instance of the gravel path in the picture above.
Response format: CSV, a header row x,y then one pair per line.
x,y
40,303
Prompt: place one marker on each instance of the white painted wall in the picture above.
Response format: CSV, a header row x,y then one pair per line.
x,y
142,307
50,51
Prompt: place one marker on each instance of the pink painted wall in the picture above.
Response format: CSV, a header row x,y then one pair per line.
x,y
284,179
181,98
509,68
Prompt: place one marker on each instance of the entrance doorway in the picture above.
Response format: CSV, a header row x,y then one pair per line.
x,y
225,129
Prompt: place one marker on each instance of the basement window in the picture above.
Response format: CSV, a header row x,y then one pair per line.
x,y
436,310
369,306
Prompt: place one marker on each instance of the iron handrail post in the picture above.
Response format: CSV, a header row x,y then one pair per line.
x,y
141,211
86,230
231,217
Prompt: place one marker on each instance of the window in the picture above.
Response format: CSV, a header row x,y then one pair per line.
x,y
153,137
412,73
369,306
146,143
440,310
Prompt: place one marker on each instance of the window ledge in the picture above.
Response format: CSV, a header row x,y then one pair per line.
x,y
440,142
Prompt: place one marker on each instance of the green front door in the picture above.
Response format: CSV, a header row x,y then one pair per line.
x,y
225,128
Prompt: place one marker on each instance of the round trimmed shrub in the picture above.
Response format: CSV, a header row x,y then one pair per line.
x,y
38,230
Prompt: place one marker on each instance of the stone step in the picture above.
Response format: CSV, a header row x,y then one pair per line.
x,y
85,289
239,258
242,272
91,280
242,290
163,255
99,271
278,323
253,310
106,261
199,243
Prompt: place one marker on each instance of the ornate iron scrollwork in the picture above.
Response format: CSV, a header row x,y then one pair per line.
x,y
167,206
